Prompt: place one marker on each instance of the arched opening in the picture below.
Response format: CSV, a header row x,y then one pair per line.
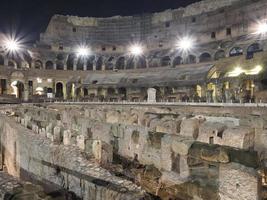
x,y
38,64
120,64
219,55
191,59
168,91
130,63
141,62
2,60
49,65
159,96
11,63
39,91
165,61
70,61
90,63
60,57
254,48
111,91
100,93
59,65
80,63
69,90
85,92
236,51
27,60
109,63
205,57
99,63
154,62
177,61
123,93
59,90
18,89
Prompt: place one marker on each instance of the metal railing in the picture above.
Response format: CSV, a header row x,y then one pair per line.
x,y
163,103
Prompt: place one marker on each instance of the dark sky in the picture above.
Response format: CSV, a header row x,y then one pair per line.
x,y
30,17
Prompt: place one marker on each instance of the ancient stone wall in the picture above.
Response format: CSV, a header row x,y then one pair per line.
x,y
32,156
163,137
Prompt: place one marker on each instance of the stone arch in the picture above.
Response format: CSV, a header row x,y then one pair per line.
x,y
111,91
109,63
59,65
236,51
141,62
2,60
165,61
12,63
38,64
153,63
80,63
123,92
130,63
254,48
27,59
205,57
168,90
18,88
177,61
59,90
219,55
70,61
120,64
60,56
49,65
99,63
191,59
90,63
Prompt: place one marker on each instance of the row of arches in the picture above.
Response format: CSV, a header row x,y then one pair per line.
x,y
141,62
120,63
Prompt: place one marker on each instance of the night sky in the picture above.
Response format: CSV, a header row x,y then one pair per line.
x,y
30,17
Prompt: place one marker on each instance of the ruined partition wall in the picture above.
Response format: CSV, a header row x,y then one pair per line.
x,y
187,149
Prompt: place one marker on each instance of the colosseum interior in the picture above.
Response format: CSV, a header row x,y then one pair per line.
x,y
169,105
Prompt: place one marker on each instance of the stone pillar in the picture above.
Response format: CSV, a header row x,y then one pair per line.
x,y
6,62
33,65
55,66
147,63
64,91
94,66
65,66
135,63
84,66
75,65
151,95
26,92
103,67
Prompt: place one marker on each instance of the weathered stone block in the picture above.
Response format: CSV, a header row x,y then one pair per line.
x,y
209,130
240,137
238,182
190,127
181,145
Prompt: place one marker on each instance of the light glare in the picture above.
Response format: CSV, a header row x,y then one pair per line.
x,y
136,50
262,28
12,45
83,51
185,44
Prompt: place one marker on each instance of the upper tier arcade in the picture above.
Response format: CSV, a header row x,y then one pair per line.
x,y
157,30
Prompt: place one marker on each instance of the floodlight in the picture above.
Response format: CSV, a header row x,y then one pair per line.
x,y
185,44
83,51
236,72
12,45
136,50
262,28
